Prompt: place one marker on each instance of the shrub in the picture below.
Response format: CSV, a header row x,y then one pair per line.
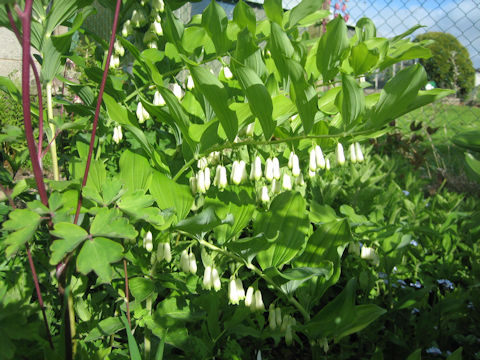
x,y
450,65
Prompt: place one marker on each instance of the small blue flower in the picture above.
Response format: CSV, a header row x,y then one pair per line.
x,y
405,192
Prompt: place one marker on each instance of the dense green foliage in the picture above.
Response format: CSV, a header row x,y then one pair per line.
x,y
304,250
450,65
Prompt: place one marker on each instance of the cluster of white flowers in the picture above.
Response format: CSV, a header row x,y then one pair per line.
x,y
188,262
253,299
164,252
117,134
211,279
285,324
235,291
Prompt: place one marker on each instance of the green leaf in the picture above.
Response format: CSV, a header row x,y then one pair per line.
x,y
170,195
274,10
106,327
291,231
150,57
469,140
258,97
135,171
132,344
137,205
302,10
217,96
352,100
456,355
173,28
297,276
141,288
332,49
472,167
281,49
215,21
203,222
397,94
244,16
416,355
365,29
111,223
23,223
321,213
71,236
362,59
97,255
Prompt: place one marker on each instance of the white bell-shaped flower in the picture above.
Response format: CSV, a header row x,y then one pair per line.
x,y
114,62
290,160
177,91
368,253
300,181
222,182
201,182
232,292
202,163
319,158
157,28
256,170
190,83
276,186
138,18
295,166
286,182
117,134
276,168
152,45
312,165
340,154
227,73
249,299
142,114
147,241
192,263
311,174
119,50
127,28
359,153
272,321
240,290
167,252
264,197
184,261
206,174
158,99
352,152
327,164
250,129
269,169
216,280
259,306
158,5
207,278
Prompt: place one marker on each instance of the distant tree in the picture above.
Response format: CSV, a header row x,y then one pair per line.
x,y
450,65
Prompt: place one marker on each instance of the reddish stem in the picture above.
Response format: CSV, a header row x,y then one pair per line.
x,y
37,82
44,152
25,17
126,292
97,110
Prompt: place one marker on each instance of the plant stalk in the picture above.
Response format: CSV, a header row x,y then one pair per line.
x,y
53,144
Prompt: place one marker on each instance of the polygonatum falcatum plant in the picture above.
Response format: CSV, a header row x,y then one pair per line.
x,y
175,206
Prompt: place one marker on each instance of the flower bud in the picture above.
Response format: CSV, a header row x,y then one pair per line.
x,y
232,292
289,335
250,129
358,151
158,99
285,323
276,186
192,263
286,182
249,299
300,181
206,174
157,28
147,241
340,154
327,164
216,280
240,290
313,162
119,50
368,253
184,261
353,155
227,73
278,316
190,83
149,36
272,322
295,166
276,168
127,28
158,5
207,278
264,197
319,158
193,184
259,301
256,172
269,169
152,45
177,91
167,253
201,182
160,253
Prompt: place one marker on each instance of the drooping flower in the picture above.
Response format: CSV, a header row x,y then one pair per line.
x,y
256,170
259,306
138,18
300,181
190,83
272,321
269,169
147,241
353,155
327,164
286,182
177,91
278,316
114,62
264,197
206,174
249,299
276,186
358,151
201,182
216,280
207,278
312,165
158,5
127,28
192,263
158,99
240,290
250,129
193,185
319,158
227,73
295,166
119,50
232,292
167,253
340,154
276,168
117,134
142,114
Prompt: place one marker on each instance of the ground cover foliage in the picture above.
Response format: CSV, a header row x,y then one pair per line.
x,y
225,189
